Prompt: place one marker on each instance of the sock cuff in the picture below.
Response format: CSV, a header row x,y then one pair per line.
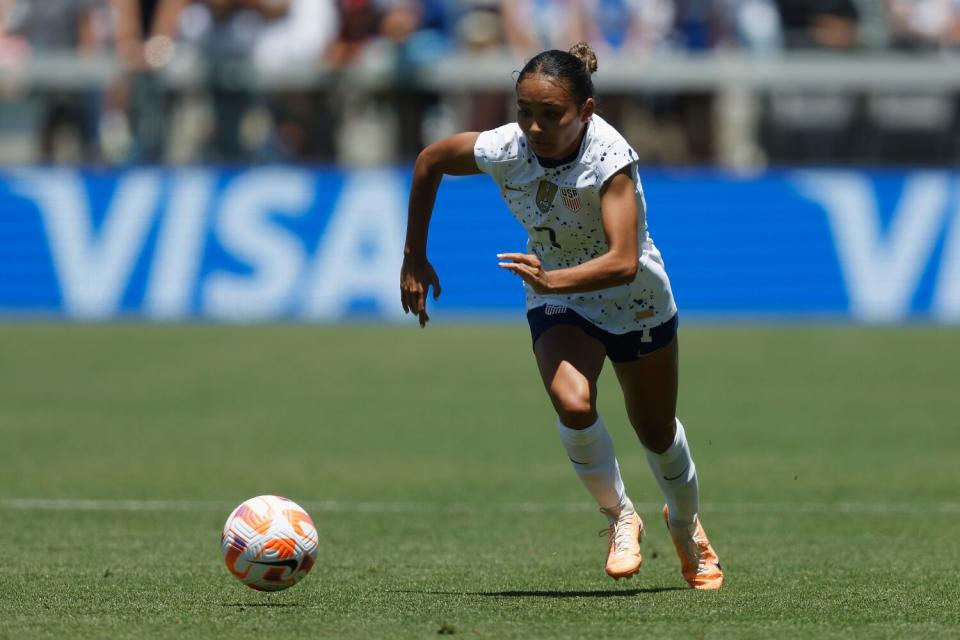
x,y
623,504
581,436
676,448
679,438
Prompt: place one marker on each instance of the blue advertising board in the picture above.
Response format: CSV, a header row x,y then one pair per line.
x,y
291,243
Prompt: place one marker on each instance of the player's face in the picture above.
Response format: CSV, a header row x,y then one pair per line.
x,y
549,116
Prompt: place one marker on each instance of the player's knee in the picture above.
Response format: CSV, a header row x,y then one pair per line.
x,y
575,405
655,435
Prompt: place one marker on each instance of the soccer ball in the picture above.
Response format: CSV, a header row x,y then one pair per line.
x,y
269,543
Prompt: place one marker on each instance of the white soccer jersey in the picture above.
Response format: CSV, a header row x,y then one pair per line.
x,y
560,209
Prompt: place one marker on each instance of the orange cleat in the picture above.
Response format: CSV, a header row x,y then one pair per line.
x,y
699,563
624,533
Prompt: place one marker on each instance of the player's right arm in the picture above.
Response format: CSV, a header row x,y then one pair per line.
x,y
451,156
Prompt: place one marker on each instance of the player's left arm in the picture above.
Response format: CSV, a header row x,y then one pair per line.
x,y
618,211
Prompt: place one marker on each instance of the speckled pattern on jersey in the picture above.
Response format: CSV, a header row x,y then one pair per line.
x,y
560,209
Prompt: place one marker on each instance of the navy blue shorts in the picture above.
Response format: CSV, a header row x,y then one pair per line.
x,y
621,347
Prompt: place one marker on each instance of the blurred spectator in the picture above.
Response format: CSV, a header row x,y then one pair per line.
x,y
364,135
301,37
146,30
695,26
532,26
479,27
924,24
479,32
65,122
628,25
819,24
303,120
420,32
135,119
752,25
359,25
403,35
54,25
227,32
231,28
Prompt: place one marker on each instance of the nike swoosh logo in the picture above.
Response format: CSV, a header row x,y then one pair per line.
x,y
676,476
509,188
291,564
576,461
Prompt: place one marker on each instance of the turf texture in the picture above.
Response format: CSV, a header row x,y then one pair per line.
x,y
828,459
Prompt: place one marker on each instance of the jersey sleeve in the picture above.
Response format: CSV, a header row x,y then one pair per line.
x,y
496,149
613,157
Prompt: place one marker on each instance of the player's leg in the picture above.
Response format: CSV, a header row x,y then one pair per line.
x,y
649,386
570,362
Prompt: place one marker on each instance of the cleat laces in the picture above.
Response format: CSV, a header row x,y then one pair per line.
x,y
619,532
693,547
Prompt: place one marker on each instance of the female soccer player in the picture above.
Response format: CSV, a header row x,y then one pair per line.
x,y
595,289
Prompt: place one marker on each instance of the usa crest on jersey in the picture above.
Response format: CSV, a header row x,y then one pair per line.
x,y
570,198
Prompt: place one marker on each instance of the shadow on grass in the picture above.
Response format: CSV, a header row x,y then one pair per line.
x,y
271,605
598,593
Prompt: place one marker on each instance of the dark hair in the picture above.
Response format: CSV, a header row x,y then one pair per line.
x,y
573,67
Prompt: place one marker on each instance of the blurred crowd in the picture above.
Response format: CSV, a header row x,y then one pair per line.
x,y
139,118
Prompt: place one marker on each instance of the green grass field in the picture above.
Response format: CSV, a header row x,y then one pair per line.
x,y
829,460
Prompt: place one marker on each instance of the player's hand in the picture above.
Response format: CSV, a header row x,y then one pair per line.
x,y
416,277
528,267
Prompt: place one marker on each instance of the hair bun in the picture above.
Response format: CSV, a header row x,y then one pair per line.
x,y
585,53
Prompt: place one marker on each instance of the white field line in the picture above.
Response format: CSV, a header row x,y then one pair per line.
x,y
344,506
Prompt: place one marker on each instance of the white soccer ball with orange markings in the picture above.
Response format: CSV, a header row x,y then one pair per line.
x,y
269,543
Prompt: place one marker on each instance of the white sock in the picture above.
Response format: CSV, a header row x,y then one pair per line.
x,y
677,476
591,452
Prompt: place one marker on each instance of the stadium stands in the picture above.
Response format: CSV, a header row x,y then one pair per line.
x,y
738,83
